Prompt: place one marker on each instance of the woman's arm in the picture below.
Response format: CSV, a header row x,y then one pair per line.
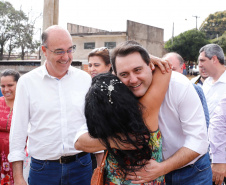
x,y
163,64
88,144
153,98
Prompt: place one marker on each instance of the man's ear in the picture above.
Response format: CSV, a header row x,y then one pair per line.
x,y
44,50
215,59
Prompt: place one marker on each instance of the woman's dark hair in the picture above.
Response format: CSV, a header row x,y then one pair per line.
x,y
112,111
102,52
10,72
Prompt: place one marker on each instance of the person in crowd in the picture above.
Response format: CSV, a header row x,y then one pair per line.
x,y
177,61
99,61
191,69
0,92
217,137
8,81
183,128
108,98
184,69
199,80
211,61
51,100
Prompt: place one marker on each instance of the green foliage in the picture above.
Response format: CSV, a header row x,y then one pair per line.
x,y
16,30
187,44
214,25
221,41
6,18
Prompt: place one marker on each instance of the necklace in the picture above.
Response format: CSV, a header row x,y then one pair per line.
x,y
9,117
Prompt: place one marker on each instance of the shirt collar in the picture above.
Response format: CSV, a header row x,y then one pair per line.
x,y
222,79
45,72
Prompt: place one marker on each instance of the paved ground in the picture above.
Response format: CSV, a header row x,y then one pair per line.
x,y
190,77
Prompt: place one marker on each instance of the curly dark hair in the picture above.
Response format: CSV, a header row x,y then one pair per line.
x,y
113,114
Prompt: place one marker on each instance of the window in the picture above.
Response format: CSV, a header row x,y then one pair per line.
x,y
89,45
110,45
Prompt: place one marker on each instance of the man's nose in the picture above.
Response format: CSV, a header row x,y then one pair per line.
x,y
133,78
65,56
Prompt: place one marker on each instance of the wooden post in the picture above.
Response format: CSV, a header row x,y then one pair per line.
x,y
50,17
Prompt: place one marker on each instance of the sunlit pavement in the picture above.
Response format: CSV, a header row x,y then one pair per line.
x,y
190,77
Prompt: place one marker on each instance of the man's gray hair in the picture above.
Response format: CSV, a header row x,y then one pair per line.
x,y
211,50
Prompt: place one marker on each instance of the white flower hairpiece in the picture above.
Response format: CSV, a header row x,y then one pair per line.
x,y
110,88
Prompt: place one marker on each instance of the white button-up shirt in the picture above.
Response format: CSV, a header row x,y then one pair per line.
x,y
54,110
181,118
214,91
217,133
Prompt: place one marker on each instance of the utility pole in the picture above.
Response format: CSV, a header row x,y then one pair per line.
x,y
196,20
50,17
172,33
39,55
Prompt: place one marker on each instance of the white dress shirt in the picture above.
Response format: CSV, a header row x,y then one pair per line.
x,y
53,109
181,118
217,133
214,91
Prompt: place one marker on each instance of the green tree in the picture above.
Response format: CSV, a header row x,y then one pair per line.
x,y
214,25
17,30
24,31
187,44
221,41
6,19
11,46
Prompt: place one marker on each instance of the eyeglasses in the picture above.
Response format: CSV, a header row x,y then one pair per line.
x,y
61,51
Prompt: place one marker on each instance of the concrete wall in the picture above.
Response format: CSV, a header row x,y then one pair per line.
x,y
21,69
24,66
74,28
81,54
149,37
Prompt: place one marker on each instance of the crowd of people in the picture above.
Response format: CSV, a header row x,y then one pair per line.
x,y
157,126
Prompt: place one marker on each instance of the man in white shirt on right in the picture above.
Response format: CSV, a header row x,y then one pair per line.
x,y
211,61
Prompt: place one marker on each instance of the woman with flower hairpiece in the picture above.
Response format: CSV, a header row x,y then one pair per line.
x,y
114,114
8,82
99,61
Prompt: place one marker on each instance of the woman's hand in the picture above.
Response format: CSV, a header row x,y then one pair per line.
x,y
164,65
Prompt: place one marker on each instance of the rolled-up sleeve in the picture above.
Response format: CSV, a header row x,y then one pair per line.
x,y
193,121
82,130
217,133
20,121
